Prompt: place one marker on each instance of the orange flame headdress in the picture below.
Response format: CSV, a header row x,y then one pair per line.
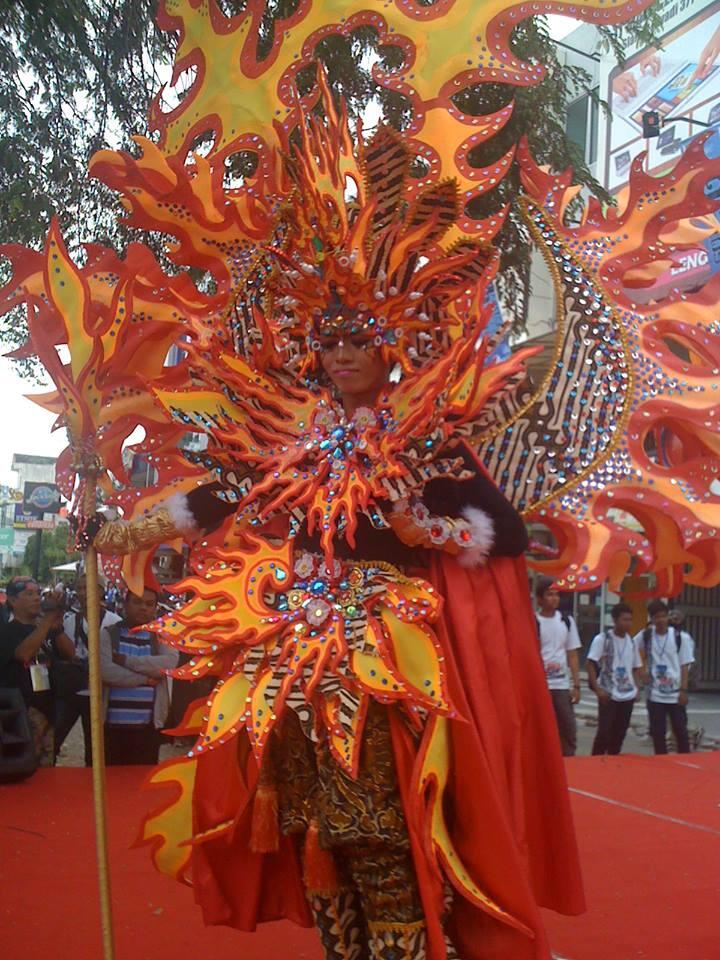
x,y
358,250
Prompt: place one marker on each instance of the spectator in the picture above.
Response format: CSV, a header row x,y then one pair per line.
x,y
28,644
4,609
72,697
614,673
667,655
112,598
676,618
559,644
133,668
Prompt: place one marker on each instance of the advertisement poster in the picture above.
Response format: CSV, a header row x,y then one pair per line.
x,y
39,500
681,81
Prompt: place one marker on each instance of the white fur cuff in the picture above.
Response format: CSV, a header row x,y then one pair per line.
x,y
482,532
181,514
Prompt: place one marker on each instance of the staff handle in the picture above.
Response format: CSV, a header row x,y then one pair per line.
x,y
96,730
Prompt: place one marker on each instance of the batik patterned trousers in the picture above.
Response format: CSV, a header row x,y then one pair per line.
x,y
375,911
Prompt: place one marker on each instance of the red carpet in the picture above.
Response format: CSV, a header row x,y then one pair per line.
x,y
649,830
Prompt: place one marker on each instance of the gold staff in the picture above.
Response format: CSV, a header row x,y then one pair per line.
x,y
88,468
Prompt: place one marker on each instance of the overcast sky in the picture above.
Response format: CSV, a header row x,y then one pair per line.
x,y
27,427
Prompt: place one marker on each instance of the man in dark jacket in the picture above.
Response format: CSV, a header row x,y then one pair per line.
x,y
28,644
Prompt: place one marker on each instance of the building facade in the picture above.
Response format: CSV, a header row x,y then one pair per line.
x,y
679,81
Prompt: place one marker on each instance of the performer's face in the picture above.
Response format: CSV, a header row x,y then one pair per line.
x,y
356,368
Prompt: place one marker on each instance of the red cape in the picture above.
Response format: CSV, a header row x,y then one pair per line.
x,y
509,813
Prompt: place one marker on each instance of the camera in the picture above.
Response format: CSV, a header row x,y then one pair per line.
x,y
52,604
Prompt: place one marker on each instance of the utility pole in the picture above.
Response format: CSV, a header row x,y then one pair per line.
x,y
38,554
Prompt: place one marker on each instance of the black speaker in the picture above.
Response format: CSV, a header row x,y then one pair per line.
x,y
17,754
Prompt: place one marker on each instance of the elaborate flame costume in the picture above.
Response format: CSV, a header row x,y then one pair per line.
x,y
378,754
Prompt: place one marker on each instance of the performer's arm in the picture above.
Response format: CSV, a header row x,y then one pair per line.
x,y
479,492
188,515
471,510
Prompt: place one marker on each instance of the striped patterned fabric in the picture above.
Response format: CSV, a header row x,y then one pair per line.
x,y
132,706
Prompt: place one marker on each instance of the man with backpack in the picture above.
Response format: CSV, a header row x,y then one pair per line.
x,y
667,655
559,645
614,670
134,666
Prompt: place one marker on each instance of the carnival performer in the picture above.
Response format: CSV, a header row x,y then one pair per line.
x,y
391,771
378,755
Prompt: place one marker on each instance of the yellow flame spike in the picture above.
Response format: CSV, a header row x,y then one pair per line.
x,y
226,713
170,828
416,652
69,294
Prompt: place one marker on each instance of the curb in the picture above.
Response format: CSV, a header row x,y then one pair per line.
x,y
699,740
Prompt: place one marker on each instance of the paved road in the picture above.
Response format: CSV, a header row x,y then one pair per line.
x,y
703,714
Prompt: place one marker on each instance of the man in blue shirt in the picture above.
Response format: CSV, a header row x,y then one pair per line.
x,y
134,670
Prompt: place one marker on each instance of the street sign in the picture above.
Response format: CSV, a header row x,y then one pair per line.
x,y
30,523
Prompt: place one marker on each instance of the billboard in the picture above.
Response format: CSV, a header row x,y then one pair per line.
x,y
9,495
39,499
681,81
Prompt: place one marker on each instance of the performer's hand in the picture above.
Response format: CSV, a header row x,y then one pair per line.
x,y
682,698
119,659
575,695
85,534
602,695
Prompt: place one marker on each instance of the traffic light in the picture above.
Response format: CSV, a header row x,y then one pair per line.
x,y
651,124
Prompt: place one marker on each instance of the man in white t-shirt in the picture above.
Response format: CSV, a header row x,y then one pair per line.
x,y
614,674
667,655
74,701
676,618
559,645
